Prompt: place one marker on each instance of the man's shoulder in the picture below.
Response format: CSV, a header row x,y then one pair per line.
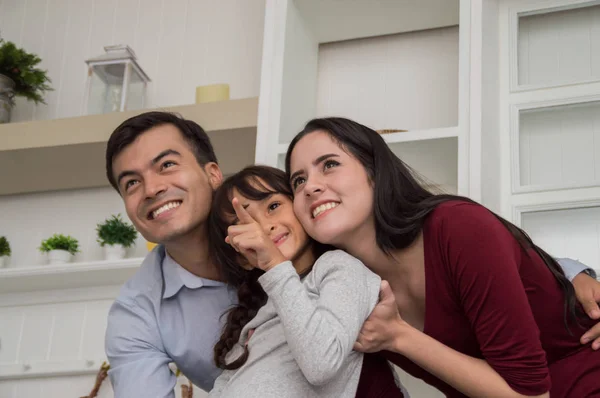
x,y
146,283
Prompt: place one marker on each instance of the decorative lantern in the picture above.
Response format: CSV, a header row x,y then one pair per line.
x,y
116,82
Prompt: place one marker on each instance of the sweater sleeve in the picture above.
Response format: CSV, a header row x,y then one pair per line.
x,y
322,332
483,260
221,383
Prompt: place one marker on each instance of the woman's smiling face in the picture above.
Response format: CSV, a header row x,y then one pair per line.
x,y
333,195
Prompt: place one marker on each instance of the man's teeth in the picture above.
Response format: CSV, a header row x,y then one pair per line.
x,y
165,207
326,206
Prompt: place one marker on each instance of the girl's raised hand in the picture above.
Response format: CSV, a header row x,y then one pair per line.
x,y
249,238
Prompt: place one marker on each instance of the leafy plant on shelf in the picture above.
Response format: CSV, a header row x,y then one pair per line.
x,y
21,66
115,231
4,247
60,242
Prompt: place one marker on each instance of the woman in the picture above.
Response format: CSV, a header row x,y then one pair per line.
x,y
300,307
484,311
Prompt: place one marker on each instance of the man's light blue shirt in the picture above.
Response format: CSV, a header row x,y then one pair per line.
x,y
572,268
164,314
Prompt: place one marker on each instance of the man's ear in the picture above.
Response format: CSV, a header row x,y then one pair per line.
x,y
215,176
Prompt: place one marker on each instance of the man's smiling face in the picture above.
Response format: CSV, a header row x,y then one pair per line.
x,y
167,193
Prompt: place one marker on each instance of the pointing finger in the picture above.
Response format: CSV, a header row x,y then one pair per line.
x,y
242,214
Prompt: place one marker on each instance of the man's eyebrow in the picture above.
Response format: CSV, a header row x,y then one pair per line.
x,y
315,162
156,159
124,174
164,153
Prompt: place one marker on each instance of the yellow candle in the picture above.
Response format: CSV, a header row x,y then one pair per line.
x,y
212,93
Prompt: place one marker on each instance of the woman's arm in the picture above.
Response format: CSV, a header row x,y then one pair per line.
x,y
472,376
480,259
321,332
385,330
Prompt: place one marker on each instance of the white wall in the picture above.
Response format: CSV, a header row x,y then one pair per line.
x,y
403,81
181,44
65,327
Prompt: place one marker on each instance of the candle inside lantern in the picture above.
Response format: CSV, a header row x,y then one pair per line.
x,y
212,93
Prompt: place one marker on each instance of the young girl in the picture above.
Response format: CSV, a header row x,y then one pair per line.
x,y
475,307
297,320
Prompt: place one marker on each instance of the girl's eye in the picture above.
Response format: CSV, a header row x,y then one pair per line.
x,y
273,206
329,164
167,164
297,181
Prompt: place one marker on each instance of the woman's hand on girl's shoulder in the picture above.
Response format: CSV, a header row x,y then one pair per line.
x,y
384,327
248,238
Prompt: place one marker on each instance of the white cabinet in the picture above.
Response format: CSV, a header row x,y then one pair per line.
x,y
386,64
550,106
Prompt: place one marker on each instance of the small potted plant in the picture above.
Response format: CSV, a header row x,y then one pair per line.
x,y
20,77
60,248
4,251
115,235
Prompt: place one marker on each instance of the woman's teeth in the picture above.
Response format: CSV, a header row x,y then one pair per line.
x,y
325,206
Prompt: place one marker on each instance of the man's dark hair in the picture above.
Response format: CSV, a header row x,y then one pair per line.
x,y
135,126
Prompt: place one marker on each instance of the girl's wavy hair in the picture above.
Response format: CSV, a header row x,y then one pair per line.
x,y
254,183
401,201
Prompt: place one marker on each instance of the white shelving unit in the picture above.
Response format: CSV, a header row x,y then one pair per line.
x,y
386,64
552,53
53,277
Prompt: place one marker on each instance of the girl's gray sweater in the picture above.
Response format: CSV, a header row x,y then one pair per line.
x,y
303,336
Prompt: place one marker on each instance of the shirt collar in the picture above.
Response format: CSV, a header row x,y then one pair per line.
x,y
177,277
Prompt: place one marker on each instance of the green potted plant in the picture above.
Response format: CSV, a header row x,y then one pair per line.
x,y
4,251
19,77
115,235
60,248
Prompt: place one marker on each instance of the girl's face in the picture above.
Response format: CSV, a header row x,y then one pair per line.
x,y
333,196
275,215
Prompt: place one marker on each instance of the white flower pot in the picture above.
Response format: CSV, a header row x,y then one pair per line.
x,y
59,257
114,252
3,261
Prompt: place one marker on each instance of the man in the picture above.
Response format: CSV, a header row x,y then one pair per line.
x,y
165,169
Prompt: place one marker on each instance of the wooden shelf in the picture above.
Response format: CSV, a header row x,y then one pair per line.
x,y
65,276
421,135
70,153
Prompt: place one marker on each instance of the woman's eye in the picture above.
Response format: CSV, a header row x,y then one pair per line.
x,y
297,181
330,163
274,205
